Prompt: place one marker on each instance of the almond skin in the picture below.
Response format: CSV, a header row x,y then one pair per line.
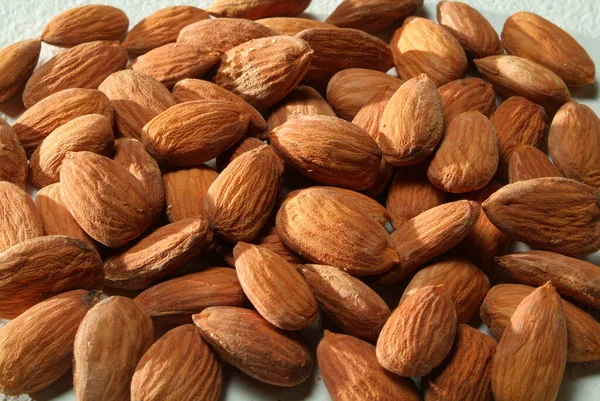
x,y
354,307
180,365
552,214
245,340
13,161
30,363
160,28
253,10
86,24
40,268
19,219
351,372
469,94
245,145
176,300
528,162
17,63
531,357
528,35
104,198
302,101
372,15
291,26
262,71
367,204
269,238
110,341
83,66
185,191
421,46
274,287
419,334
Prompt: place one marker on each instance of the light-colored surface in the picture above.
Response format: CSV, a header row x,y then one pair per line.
x,y
25,19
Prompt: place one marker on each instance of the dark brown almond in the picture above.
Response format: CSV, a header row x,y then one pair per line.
x,y
469,94
527,162
290,26
257,9
372,15
185,191
17,63
302,101
19,219
13,161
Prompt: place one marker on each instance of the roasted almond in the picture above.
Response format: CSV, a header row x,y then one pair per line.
x,y
469,94
257,9
17,63
13,161
372,15
290,26
302,101
368,205
527,162
185,191
245,145
19,219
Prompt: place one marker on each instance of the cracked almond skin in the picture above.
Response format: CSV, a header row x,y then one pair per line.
x,y
112,338
42,267
527,162
302,101
32,362
528,35
412,123
552,214
574,143
245,340
108,202
13,161
263,71
274,287
324,228
17,63
583,330
185,191
466,374
419,334
351,372
257,9
175,301
19,218
290,26
469,94
179,365
354,307
160,28
531,357
372,16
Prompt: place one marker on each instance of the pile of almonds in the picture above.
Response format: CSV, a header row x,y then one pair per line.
x,y
311,139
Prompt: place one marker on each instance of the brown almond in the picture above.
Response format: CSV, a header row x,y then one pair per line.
x,y
185,191
86,24
112,338
257,9
17,63
13,161
270,239
368,205
527,162
372,15
302,101
291,26
179,365
553,214
19,219
245,340
245,145
469,94
32,362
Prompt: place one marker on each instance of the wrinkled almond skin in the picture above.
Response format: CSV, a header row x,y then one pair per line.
x,y
180,365
30,363
104,198
256,9
419,334
302,101
112,338
527,162
13,161
421,46
354,307
40,268
19,219
160,28
86,24
412,123
368,205
328,150
553,214
324,228
245,145
244,339
351,372
17,63
469,94
528,35
372,15
291,26
185,191
176,300
263,71
531,357
269,238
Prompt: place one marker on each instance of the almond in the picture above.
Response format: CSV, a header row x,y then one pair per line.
x,y
13,161
574,143
302,101
164,251
469,94
329,150
30,363
257,9
244,339
245,145
104,198
160,28
421,46
110,341
176,300
263,71
419,334
42,267
241,198
583,331
527,162
86,24
412,124
531,357
466,374
185,191
368,205
552,214
324,228
467,157
180,365
92,132
351,371
372,15
17,63
517,76
58,109
270,239
528,35
354,307
290,26
19,219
